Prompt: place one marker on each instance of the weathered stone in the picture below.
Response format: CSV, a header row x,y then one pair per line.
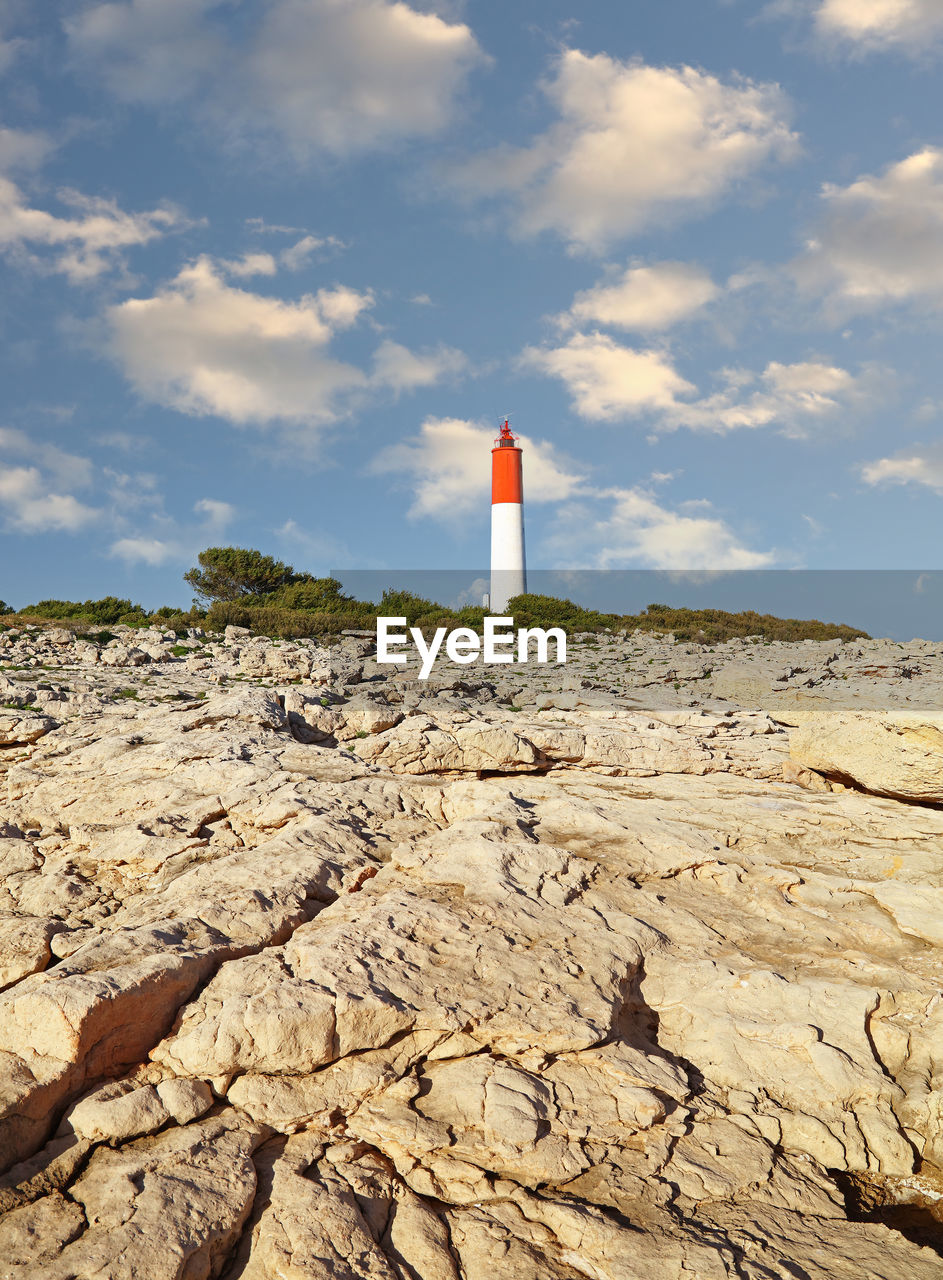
x,y
116,1113
538,959
896,753
185,1100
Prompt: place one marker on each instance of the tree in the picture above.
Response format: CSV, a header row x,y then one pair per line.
x,y
239,573
5,608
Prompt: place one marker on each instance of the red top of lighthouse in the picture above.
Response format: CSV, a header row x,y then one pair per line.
x,y
507,438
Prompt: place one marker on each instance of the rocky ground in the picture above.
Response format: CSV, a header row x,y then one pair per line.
x,y
630,968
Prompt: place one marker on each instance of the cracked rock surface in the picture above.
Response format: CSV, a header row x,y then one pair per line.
x,y
624,969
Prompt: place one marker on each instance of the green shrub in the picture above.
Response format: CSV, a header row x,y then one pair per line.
x,y
106,612
712,625
287,624
318,595
532,610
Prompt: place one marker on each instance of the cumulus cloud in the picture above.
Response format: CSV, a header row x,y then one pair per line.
x,y
29,505
448,468
608,382
881,238
63,468
175,543
250,264
218,514
299,254
332,75
23,148
791,397
346,75
151,551
634,144
397,367
150,51
920,466
81,246
625,528
880,24
644,298
35,479
203,346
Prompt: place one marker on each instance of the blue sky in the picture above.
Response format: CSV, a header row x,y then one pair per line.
x,y
273,270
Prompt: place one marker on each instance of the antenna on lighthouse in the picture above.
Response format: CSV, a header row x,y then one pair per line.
x,y
508,573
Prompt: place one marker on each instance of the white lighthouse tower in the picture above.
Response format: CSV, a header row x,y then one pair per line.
x,y
508,575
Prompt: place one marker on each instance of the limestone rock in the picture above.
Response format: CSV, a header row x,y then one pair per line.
x,y
24,946
21,728
129,1213
551,976
117,1112
419,745
185,1100
896,753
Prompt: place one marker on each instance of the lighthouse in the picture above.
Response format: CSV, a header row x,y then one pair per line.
x,y
508,575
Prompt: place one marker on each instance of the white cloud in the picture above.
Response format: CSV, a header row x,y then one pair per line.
x,y
448,466
346,75
634,144
643,298
342,306
881,238
151,51
924,466
607,381
30,506
85,245
332,75
298,255
262,228
203,347
879,24
132,493
218,514
177,544
399,368
789,396
64,469
622,528
24,149
152,551
250,264
34,497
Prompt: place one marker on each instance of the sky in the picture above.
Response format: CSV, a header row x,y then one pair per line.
x,y
275,270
